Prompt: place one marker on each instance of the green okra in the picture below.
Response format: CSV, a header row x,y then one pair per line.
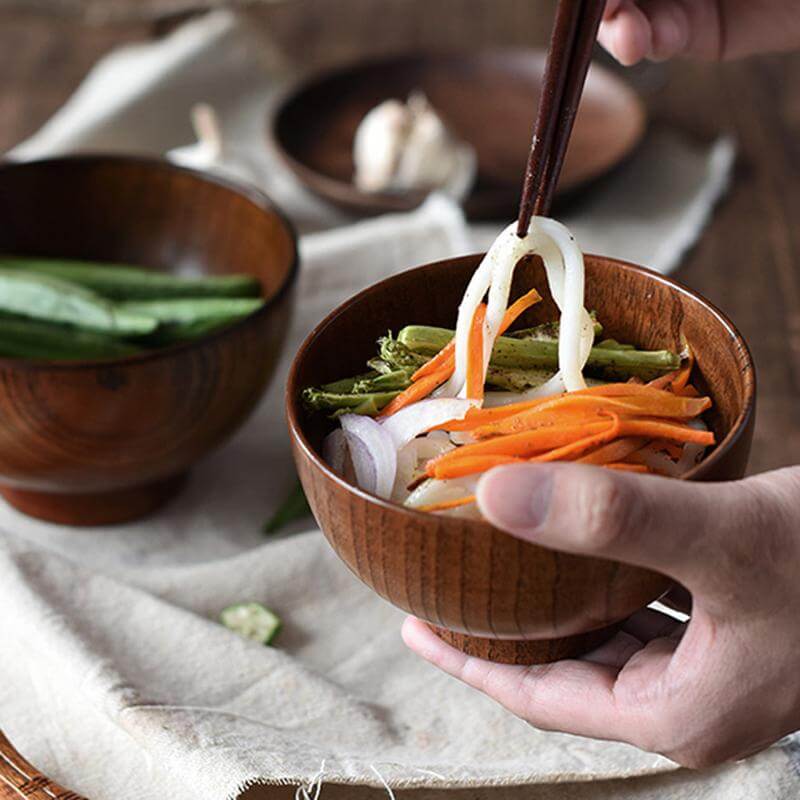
x,y
123,282
55,300
542,355
41,341
188,318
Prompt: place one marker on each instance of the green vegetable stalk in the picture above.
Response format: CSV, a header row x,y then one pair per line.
x,y
121,282
536,354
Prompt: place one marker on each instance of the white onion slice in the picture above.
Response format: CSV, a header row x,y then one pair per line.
x,y
334,450
373,453
411,421
660,462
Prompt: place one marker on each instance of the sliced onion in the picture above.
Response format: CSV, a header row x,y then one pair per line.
x,y
373,452
407,460
411,421
438,491
334,450
659,462
692,453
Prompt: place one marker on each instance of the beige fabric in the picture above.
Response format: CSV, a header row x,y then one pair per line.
x,y
115,677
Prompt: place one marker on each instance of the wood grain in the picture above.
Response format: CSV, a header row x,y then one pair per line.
x,y
100,442
506,599
20,780
487,98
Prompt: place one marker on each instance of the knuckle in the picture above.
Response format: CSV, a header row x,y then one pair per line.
x,y
607,511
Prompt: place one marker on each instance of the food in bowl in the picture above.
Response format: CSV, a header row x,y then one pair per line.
x,y
438,408
66,310
403,147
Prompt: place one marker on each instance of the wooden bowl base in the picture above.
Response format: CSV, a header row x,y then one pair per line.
x,y
526,651
98,508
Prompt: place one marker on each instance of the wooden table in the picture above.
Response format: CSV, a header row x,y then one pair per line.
x,y
748,261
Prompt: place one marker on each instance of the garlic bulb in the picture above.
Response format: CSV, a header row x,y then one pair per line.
x,y
211,153
405,146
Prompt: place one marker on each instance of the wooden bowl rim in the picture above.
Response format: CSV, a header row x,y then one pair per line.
x,y
249,192
386,202
744,357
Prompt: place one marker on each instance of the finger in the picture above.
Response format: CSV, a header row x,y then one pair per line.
x,y
670,28
626,33
648,624
675,527
616,652
678,598
611,8
569,696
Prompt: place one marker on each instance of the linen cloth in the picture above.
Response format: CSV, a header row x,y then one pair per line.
x,y
115,677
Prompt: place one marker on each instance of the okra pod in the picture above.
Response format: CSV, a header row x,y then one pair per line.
x,y
123,282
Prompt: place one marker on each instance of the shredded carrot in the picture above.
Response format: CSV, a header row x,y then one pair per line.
x,y
613,452
417,391
446,505
518,445
665,429
687,391
622,467
475,356
518,308
470,465
574,405
682,377
663,381
446,356
582,445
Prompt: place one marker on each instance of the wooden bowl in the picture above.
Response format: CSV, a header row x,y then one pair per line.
x,y
488,98
482,590
86,443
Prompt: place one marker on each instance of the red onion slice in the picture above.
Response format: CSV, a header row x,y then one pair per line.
x,y
334,450
373,453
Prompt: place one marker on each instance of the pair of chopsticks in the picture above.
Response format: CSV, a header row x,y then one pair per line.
x,y
571,45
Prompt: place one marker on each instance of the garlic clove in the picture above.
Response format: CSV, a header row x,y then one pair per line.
x,y
406,146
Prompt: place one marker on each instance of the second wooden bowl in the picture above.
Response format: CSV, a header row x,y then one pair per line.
x,y
480,589
488,98
98,442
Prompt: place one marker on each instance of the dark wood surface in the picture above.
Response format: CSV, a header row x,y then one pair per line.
x,y
504,599
99,442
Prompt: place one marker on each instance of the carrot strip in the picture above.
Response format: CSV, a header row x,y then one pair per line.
x,y
518,308
614,451
665,404
582,445
682,377
446,356
417,391
687,391
622,467
665,429
446,505
662,381
519,445
475,356
470,465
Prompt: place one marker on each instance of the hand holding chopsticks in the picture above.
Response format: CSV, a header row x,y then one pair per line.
x,y
571,45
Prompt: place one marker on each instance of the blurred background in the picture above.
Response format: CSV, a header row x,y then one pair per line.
x,y
747,258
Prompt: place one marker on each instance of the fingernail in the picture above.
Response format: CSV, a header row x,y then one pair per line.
x,y
516,498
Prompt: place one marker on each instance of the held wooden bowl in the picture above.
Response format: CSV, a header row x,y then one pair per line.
x,y
489,99
482,590
98,442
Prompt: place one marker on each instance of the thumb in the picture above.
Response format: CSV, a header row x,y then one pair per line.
x,y
671,526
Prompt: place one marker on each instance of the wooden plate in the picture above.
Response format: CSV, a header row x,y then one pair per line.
x,y
489,99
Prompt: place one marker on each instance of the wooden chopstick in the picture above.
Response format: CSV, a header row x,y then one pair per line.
x,y
571,45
